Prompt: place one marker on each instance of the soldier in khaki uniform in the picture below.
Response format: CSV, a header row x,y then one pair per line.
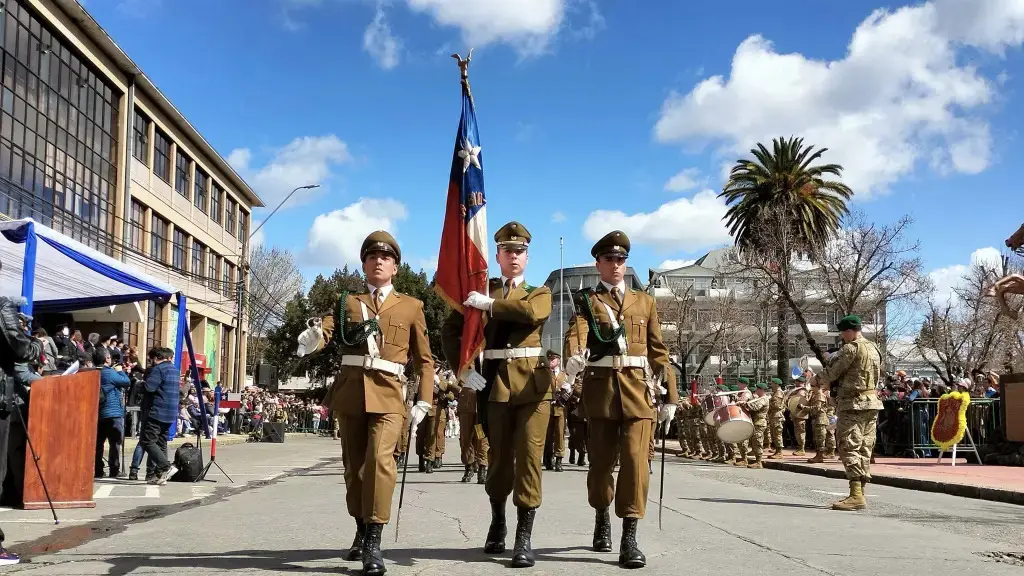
x,y
554,446
517,384
472,440
615,342
776,417
577,426
855,371
436,440
378,333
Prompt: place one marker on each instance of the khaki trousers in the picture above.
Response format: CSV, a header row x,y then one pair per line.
x,y
630,441
516,435
556,435
474,450
435,440
368,452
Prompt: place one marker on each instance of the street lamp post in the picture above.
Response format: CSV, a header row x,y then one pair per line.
x,y
242,292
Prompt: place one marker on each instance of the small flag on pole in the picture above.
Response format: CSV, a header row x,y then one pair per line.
x,y
462,260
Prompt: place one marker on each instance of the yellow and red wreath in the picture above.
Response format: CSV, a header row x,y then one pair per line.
x,y
950,419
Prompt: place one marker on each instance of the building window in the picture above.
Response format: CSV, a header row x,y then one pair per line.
x,y
162,156
243,225
214,274
178,250
198,259
225,348
227,287
154,325
199,196
230,209
58,132
181,174
215,199
137,227
158,238
140,129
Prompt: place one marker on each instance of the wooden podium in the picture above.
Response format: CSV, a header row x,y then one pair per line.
x,y
63,414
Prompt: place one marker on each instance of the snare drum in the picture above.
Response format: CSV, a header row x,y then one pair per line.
x,y
734,425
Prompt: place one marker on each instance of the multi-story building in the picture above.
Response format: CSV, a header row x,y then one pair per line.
x,y
90,147
724,315
574,278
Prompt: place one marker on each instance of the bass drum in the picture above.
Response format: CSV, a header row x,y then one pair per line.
x,y
711,403
734,425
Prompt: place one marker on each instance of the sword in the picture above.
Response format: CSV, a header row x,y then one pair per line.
x,y
405,472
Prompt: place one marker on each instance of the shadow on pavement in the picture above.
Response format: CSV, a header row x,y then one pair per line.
x,y
758,502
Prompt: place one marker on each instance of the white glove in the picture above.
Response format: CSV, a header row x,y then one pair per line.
x,y
311,339
474,381
418,412
437,379
575,364
662,390
667,413
566,387
479,301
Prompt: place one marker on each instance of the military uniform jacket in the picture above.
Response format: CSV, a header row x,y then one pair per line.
x,y
855,370
776,405
402,337
623,393
516,321
757,407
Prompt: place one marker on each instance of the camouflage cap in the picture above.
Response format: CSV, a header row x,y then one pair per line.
x,y
513,235
615,242
380,241
851,322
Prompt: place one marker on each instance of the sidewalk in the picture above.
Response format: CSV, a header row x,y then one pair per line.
x,y
995,483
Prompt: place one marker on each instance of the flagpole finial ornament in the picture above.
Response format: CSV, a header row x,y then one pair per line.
x,y
464,69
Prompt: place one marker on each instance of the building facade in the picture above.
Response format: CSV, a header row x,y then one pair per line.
x,y
90,147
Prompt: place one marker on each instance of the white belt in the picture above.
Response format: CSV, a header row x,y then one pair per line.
x,y
619,362
513,353
371,363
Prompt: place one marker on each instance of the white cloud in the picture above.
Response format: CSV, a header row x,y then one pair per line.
x,y
558,217
673,264
949,278
901,96
529,26
428,265
684,224
380,43
336,237
258,237
686,180
306,160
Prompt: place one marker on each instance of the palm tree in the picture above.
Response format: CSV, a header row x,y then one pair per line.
x,y
781,205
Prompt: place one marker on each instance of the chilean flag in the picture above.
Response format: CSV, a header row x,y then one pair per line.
x,y
462,261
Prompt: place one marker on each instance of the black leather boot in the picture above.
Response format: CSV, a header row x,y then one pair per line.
x,y
423,464
437,463
373,560
547,463
481,475
355,552
428,466
495,543
583,459
572,456
522,552
468,475
630,555
558,464
602,531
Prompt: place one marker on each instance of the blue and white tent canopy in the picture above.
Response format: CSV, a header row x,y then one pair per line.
x,y
58,274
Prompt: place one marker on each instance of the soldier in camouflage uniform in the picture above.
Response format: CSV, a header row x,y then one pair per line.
x,y
757,407
776,417
855,370
682,414
694,424
822,409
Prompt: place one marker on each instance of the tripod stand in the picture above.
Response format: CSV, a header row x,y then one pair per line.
x,y
213,456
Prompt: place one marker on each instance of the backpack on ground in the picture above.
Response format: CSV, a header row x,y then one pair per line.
x,y
189,461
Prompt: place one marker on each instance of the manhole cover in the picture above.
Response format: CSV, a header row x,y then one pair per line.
x,y
1015,558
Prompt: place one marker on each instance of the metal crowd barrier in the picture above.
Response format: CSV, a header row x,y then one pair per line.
x,y
904,427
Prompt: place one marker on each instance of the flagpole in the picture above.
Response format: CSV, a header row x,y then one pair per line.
x,y
561,296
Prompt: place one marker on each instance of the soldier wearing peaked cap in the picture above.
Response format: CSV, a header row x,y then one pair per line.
x,y
378,333
514,389
615,342
554,447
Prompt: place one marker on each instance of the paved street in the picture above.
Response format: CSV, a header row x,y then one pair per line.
x,y
285,515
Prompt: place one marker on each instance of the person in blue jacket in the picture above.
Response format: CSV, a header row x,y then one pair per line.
x,y
110,429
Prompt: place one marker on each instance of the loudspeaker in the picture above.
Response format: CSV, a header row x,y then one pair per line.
x,y
1011,400
273,432
266,377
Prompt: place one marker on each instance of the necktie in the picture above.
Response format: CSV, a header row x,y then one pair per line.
x,y
508,287
379,299
617,296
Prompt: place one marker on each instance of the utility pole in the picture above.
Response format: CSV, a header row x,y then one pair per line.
x,y
561,297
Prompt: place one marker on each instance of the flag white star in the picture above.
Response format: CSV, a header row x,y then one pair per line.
x,y
470,155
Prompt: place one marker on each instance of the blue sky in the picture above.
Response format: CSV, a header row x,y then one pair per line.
x,y
594,115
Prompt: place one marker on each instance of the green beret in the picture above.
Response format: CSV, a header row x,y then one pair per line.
x,y
723,388
380,241
777,381
801,379
613,243
734,388
851,322
764,386
743,380
513,235
752,387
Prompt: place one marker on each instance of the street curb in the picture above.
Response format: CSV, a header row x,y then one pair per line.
x,y
961,490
